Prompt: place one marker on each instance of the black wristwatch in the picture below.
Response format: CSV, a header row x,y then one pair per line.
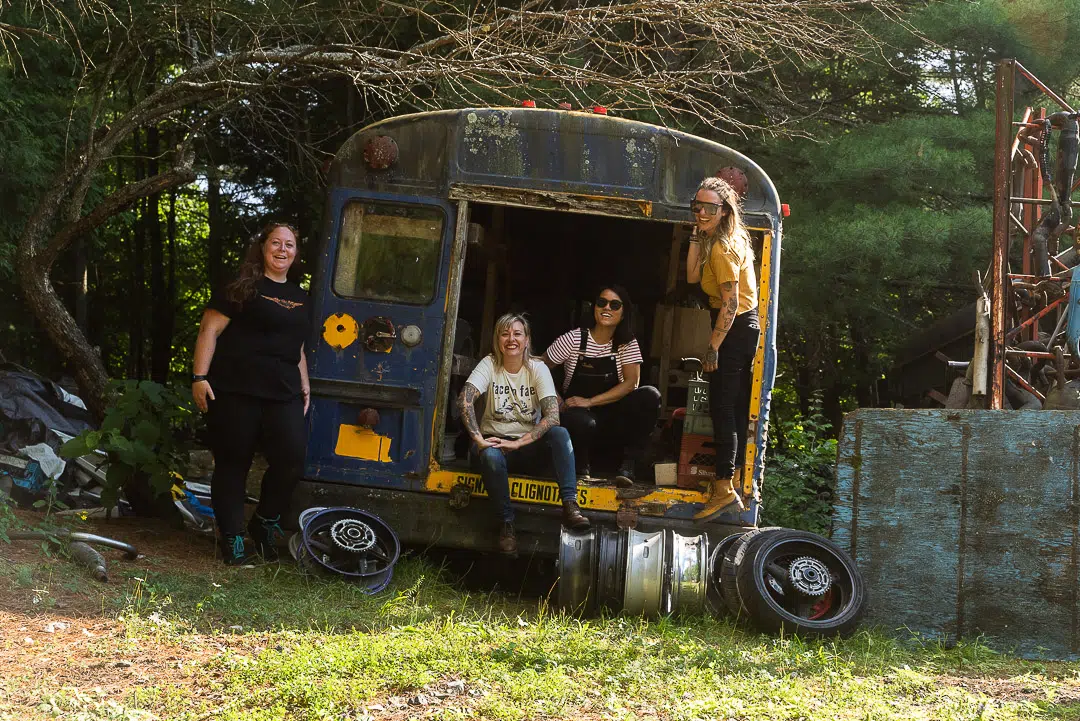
x,y
195,378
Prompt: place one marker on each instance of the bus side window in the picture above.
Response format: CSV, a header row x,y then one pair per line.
x,y
388,251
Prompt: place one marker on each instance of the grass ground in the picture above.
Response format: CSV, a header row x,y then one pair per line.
x,y
175,636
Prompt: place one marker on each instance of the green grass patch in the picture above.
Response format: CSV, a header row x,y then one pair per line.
x,y
321,649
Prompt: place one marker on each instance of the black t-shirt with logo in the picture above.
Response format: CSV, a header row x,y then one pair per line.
x,y
259,351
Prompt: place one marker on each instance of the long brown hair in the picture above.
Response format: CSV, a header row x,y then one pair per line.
x,y
242,288
730,234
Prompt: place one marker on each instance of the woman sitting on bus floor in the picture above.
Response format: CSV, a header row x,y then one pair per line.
x,y
250,376
603,403
520,426
721,258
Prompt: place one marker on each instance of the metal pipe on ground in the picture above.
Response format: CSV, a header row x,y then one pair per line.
x,y
130,552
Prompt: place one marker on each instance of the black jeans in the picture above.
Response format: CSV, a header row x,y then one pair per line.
x,y
627,424
239,425
729,391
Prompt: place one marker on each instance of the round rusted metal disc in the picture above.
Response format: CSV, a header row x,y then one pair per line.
x,y
734,177
380,152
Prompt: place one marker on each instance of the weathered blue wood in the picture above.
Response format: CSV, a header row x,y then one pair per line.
x,y
965,523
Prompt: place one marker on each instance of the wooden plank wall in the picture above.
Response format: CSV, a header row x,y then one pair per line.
x,y
966,523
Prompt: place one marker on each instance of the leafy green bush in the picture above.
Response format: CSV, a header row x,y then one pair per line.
x,y
146,435
799,475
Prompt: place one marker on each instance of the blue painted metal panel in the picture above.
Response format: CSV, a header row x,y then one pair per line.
x,y
552,150
966,523
403,368
541,149
538,151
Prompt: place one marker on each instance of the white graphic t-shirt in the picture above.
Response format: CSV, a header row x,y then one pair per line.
x,y
513,399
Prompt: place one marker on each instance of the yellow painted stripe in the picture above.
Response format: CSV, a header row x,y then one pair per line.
x,y
759,362
595,498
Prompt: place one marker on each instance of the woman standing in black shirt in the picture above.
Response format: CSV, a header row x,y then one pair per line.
x,y
250,375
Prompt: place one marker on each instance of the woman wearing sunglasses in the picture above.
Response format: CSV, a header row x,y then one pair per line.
x,y
721,258
602,367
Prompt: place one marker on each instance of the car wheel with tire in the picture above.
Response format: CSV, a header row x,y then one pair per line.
x,y
794,581
714,598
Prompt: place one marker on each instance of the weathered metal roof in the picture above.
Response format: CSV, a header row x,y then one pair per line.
x,y
548,151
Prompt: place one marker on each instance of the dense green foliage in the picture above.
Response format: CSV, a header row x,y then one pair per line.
x,y
886,167
801,478
146,435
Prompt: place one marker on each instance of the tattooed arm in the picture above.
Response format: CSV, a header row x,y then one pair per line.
x,y
549,409
466,399
729,307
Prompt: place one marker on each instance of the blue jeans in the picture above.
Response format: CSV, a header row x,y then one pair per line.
x,y
495,466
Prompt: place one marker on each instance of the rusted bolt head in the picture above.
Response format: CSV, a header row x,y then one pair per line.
x,y
380,152
369,418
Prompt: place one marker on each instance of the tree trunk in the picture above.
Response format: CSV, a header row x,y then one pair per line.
x,y
80,285
160,307
214,245
136,342
169,320
954,72
64,333
831,408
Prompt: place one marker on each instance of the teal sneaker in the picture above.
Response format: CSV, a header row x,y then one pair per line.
x,y
267,534
232,550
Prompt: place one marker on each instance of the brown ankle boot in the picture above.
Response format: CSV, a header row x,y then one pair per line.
x,y
572,517
508,539
721,495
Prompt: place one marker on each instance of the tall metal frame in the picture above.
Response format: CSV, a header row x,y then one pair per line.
x,y
1012,142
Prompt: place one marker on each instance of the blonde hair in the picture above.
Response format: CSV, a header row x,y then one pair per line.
x,y
503,324
730,233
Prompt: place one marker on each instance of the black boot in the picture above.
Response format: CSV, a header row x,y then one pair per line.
x,y
232,550
266,533
626,475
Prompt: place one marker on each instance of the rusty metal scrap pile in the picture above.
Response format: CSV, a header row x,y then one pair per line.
x,y
1027,330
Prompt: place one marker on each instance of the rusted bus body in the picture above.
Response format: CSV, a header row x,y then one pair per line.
x,y
415,202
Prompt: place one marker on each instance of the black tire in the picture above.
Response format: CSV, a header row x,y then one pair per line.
x,y
728,565
714,599
775,602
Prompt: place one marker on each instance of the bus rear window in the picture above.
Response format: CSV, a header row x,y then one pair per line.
x,y
388,251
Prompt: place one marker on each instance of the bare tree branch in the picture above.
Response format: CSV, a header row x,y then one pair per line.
x,y
673,60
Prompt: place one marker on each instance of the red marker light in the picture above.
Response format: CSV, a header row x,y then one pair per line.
x,y
566,106
599,110
528,103
785,209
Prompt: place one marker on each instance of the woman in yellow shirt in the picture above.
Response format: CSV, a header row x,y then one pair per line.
x,y
721,258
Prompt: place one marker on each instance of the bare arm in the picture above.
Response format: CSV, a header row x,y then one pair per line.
x,y
693,262
212,324
729,307
305,382
466,399
631,377
549,410
550,363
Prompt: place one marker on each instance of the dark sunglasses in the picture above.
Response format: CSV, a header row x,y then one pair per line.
x,y
710,209
604,303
